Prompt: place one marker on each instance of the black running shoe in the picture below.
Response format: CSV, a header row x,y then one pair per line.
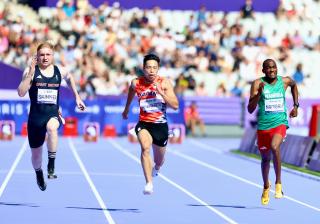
x,y
40,180
51,174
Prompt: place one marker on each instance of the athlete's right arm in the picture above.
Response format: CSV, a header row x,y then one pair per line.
x,y
130,97
255,93
27,77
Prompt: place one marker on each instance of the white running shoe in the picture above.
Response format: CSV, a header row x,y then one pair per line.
x,y
155,172
148,189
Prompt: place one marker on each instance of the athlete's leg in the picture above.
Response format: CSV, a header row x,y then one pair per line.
x,y
52,131
265,166
36,137
52,142
158,156
145,140
36,159
188,125
193,123
202,127
160,139
275,148
264,139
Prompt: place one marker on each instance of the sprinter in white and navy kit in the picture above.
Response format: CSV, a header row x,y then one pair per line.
x,y
43,79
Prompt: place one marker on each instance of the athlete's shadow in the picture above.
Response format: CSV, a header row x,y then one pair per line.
x,y
233,206
133,210
19,204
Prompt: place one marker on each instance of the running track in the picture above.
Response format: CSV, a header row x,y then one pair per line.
x,y
201,182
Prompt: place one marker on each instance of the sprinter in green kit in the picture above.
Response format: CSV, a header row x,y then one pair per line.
x,y
269,93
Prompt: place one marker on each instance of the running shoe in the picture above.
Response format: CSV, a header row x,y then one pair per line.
x,y
40,180
148,189
265,195
278,193
51,174
155,172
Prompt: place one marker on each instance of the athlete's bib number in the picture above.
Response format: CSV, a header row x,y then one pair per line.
x,y
274,105
151,105
47,96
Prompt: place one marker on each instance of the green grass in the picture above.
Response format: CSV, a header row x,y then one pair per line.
x,y
301,169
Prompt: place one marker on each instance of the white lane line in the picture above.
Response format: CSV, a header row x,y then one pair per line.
x,y
222,215
75,173
215,149
199,162
92,186
205,146
13,167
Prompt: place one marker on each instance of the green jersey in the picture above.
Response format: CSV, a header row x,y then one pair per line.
x,y
272,105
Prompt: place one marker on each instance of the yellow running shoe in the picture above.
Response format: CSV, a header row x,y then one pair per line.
x,y
278,193
265,195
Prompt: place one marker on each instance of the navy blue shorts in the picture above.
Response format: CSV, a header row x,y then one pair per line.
x,y
37,129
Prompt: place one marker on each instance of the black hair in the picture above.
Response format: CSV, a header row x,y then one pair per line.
x,y
267,61
149,57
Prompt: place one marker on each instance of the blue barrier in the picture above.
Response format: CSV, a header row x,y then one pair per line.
x,y
314,163
107,110
248,141
295,150
222,111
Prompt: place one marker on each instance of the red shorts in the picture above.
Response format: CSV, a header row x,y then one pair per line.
x,y
264,137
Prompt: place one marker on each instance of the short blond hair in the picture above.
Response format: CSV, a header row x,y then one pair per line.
x,y
45,45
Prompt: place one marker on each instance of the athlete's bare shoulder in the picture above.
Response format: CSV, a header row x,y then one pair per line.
x,y
288,81
63,71
165,82
134,83
256,83
135,80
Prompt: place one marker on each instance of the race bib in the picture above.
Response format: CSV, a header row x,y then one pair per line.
x,y
47,96
151,105
274,105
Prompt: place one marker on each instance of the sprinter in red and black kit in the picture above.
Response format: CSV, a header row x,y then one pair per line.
x,y
43,79
154,94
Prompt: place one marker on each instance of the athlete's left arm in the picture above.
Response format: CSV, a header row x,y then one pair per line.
x,y
295,94
165,89
72,84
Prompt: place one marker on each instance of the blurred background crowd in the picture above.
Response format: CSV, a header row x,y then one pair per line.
x,y
203,53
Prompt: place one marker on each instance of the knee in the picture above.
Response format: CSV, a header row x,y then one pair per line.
x,y
51,130
36,154
36,157
275,148
266,159
145,151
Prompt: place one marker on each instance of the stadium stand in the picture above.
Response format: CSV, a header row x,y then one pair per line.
x,y
103,46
